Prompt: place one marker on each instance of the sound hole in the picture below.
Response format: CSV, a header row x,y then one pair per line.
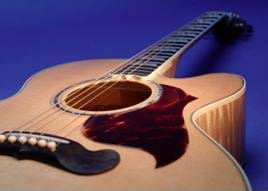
x,y
108,96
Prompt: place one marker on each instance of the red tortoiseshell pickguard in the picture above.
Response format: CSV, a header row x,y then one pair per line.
x,y
157,128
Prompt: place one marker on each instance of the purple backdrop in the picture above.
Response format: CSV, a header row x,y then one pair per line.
x,y
40,34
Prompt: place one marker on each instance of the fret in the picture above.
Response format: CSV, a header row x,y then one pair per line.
x,y
136,69
160,57
170,49
141,73
180,40
161,53
204,20
212,15
185,38
151,63
173,43
195,27
168,46
193,30
171,53
155,56
168,54
147,67
219,13
139,68
207,17
176,45
202,26
138,64
143,69
188,32
200,23
186,35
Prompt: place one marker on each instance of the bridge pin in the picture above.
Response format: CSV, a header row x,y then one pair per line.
x,y
51,145
22,140
12,139
3,138
42,143
32,141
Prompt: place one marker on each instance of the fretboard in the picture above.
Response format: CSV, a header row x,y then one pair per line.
x,y
150,59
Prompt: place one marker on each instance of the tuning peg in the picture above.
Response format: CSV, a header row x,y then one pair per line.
x,y
234,15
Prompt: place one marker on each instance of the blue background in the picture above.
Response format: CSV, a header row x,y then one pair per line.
x,y
38,34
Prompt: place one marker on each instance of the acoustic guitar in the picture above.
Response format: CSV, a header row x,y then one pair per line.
x,y
117,124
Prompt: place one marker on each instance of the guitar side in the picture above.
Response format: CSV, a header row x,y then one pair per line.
x,y
206,165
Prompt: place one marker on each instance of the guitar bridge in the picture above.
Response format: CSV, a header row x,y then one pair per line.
x,y
57,151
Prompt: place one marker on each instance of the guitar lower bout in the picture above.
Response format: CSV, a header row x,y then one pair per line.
x,y
200,160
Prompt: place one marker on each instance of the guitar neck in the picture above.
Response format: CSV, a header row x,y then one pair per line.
x,y
173,45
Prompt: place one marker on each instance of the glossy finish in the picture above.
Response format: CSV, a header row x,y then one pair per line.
x,y
40,34
68,155
205,165
157,128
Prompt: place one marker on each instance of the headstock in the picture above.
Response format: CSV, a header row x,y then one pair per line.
x,y
231,26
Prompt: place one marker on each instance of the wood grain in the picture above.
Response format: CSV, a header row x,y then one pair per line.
x,y
225,124
205,166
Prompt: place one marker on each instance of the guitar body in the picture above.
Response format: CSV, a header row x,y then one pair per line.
x,y
212,117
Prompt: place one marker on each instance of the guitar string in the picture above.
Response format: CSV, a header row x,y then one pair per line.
x,y
11,163
72,121
176,31
80,124
76,127
66,135
125,64
84,98
96,96
79,115
57,103
108,88
113,70
106,74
